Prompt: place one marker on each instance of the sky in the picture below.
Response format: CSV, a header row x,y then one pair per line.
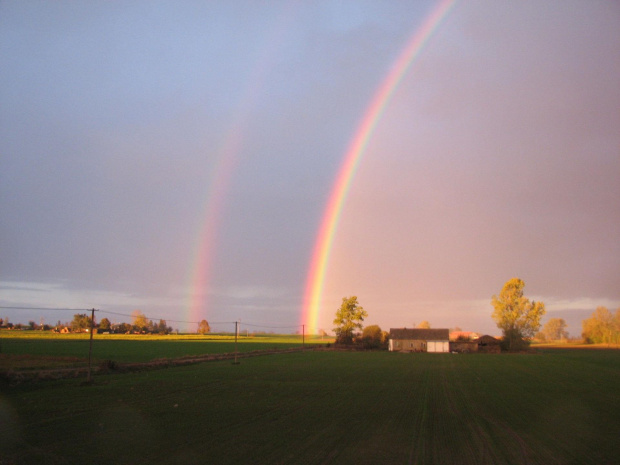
x,y
179,157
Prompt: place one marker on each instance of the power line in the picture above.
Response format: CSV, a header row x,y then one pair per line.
x,y
48,309
269,326
109,312
173,321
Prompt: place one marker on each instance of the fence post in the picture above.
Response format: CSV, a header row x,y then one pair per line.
x,y
90,348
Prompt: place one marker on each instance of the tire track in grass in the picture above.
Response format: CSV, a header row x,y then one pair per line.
x,y
417,448
267,412
478,439
485,403
470,444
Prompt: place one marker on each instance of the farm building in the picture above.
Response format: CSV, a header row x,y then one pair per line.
x,y
463,336
489,345
463,347
419,340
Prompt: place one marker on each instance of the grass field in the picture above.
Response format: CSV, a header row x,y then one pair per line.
x,y
558,406
37,349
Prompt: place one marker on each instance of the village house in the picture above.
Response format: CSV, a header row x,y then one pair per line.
x,y
463,336
419,340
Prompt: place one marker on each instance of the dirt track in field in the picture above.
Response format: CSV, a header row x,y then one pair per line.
x,y
16,369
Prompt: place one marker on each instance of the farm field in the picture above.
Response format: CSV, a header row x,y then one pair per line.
x,y
35,349
560,406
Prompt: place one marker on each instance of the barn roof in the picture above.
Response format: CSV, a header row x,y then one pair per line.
x,y
487,340
420,334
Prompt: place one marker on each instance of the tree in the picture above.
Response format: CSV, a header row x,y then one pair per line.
x,y
163,328
123,328
372,337
203,327
540,336
601,327
81,322
515,315
349,317
555,329
139,320
424,325
104,324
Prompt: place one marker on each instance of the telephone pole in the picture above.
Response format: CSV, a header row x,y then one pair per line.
x,y
90,348
236,333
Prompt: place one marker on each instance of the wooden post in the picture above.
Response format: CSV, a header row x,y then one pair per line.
x,y
236,332
90,348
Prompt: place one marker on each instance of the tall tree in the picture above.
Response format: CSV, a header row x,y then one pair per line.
x,y
139,320
555,329
104,324
81,322
163,328
424,325
349,317
203,327
515,315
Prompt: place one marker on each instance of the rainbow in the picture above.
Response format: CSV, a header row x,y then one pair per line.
x,y
201,268
320,257
227,159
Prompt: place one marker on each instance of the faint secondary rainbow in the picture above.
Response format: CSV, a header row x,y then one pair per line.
x,y
227,157
320,257
204,253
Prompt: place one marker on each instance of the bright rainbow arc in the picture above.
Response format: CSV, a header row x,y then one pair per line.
x,y
320,257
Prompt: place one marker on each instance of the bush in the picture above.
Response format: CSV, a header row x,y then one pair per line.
x,y
514,342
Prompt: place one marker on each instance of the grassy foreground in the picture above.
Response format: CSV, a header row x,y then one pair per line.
x,y
556,407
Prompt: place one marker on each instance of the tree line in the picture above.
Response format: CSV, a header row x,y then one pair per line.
x,y
603,327
518,317
82,322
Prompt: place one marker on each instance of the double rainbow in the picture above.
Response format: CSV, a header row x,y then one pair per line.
x,y
320,257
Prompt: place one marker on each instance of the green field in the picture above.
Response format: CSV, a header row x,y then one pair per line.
x,y
57,350
327,407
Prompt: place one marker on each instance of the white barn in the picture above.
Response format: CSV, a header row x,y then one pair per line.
x,y
419,340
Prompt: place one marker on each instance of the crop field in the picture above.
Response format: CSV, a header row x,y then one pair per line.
x,y
558,406
36,350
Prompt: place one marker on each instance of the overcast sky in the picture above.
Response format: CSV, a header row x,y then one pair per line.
x,y
132,133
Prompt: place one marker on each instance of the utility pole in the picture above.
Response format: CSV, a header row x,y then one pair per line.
x,y
236,332
303,336
90,348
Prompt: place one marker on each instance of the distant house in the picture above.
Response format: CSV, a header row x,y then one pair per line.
x,y
463,336
419,340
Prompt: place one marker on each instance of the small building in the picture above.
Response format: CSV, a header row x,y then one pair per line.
x,y
489,345
463,336
463,346
419,340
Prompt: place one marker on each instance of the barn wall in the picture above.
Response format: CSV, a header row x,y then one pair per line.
x,y
463,346
438,346
407,345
